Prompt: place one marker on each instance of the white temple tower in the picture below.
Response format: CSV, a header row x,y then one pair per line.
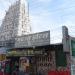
x,y
16,21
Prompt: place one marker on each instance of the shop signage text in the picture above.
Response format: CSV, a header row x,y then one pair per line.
x,y
37,39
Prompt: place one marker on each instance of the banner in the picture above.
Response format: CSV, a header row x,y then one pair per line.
x,y
73,47
24,53
32,40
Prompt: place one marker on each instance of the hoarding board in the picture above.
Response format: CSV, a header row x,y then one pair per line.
x,y
25,53
72,46
31,40
72,52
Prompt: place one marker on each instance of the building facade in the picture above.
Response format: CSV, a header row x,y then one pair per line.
x,y
42,59
16,21
31,53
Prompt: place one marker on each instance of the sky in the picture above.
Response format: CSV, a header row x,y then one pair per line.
x,y
48,15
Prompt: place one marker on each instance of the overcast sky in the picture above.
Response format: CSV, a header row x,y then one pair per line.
x,y
48,15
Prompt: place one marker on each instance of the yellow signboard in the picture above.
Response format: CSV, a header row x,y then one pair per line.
x,y
2,57
24,53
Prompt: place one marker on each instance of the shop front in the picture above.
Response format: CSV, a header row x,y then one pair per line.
x,y
23,60
42,60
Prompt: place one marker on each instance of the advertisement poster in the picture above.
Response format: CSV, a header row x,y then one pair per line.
x,y
24,64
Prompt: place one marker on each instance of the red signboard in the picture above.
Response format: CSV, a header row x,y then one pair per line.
x,y
53,73
59,73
